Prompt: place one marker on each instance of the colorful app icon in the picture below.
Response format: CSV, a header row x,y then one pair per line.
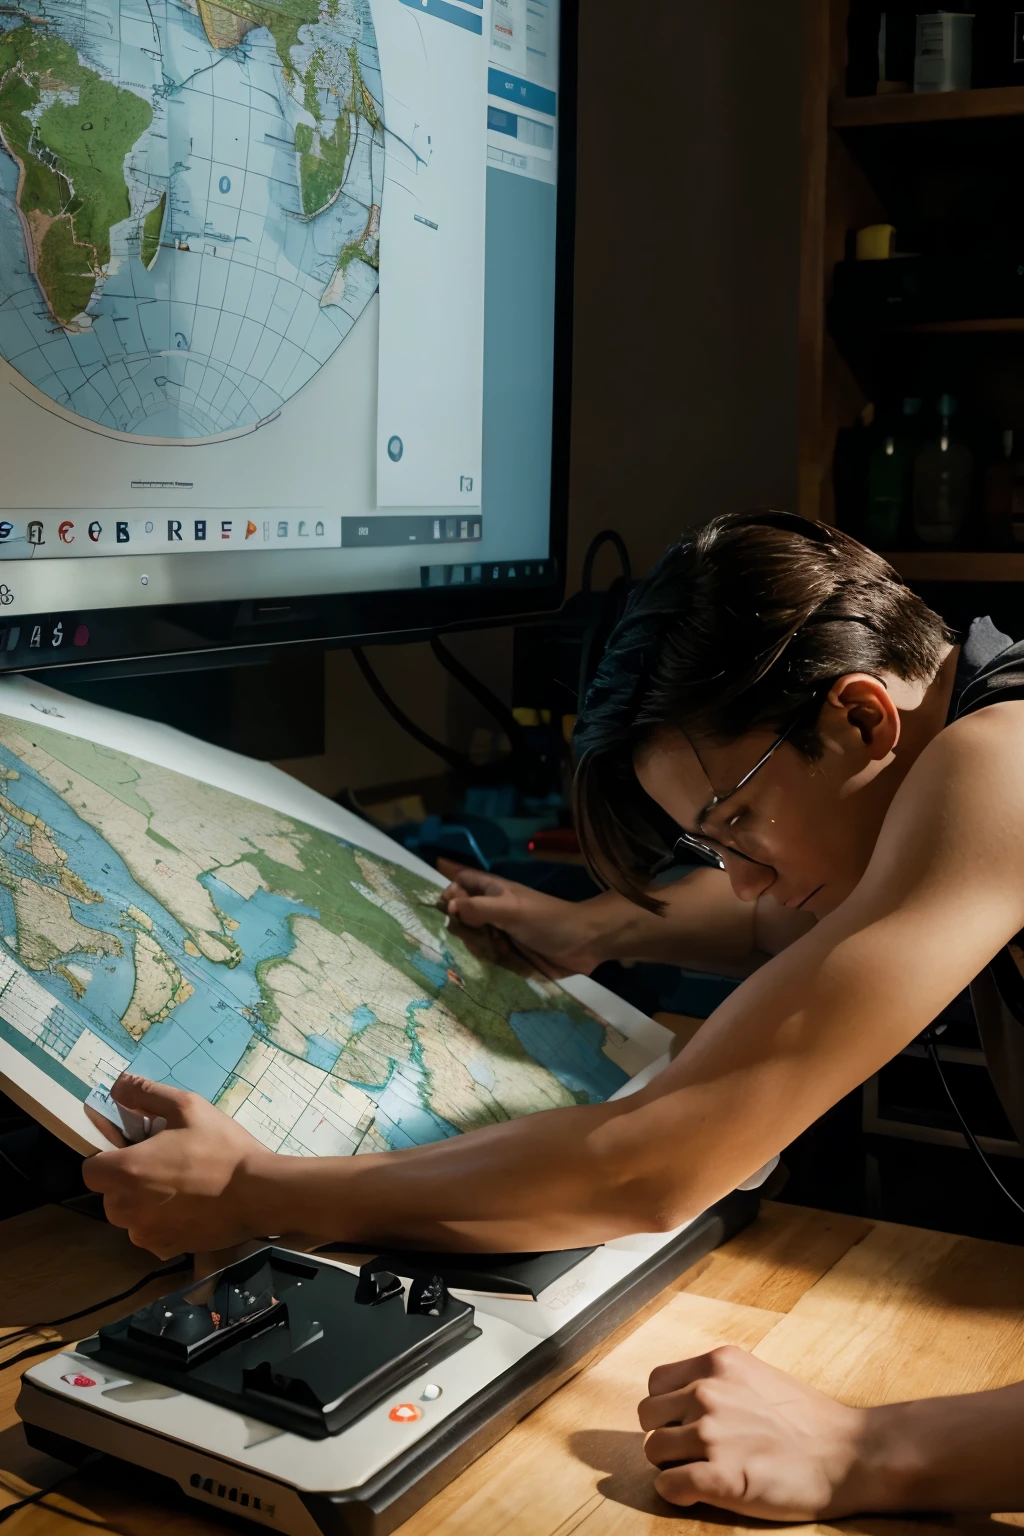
x,y
66,532
250,529
94,530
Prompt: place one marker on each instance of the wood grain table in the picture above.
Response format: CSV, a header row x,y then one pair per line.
x,y
864,1310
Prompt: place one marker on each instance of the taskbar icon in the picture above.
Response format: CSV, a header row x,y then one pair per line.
x,y
63,537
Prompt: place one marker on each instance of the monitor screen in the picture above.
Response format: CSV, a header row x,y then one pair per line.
x,y
284,320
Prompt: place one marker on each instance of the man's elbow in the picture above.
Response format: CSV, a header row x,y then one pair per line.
x,y
659,1204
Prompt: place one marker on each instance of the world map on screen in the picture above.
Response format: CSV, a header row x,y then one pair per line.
x,y
190,199
310,988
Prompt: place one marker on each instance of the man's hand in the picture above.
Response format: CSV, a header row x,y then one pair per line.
x,y
183,1190
562,936
755,1441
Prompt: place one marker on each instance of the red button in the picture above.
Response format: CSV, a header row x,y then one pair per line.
x,y
405,1413
78,1381
81,635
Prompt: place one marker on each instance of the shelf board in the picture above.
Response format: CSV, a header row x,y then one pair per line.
x,y
927,107
1003,327
958,565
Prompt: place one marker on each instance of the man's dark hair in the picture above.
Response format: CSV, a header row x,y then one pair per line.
x,y
738,626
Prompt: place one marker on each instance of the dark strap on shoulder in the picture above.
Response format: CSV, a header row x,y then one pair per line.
x,y
1002,679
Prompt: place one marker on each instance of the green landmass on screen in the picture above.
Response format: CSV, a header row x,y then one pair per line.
x,y
71,163
152,224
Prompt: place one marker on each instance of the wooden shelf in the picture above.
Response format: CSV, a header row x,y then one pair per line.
x,y
928,107
965,327
958,565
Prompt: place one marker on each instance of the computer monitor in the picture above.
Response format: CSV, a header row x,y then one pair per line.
x,y
285,322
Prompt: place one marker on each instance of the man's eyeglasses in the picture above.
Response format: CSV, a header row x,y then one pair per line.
x,y
710,853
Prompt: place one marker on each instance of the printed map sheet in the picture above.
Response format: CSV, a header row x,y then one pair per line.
x,y
212,923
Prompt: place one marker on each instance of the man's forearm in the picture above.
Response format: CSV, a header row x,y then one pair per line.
x,y
943,1453
561,1179
703,926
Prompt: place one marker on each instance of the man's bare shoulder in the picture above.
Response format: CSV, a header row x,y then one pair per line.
x,y
965,795
986,745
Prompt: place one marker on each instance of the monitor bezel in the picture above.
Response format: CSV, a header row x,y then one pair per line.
x,y
170,637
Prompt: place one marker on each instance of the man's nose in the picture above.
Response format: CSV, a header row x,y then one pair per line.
x,y
749,880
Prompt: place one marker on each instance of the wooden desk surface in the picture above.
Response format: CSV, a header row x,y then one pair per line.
x,y
864,1310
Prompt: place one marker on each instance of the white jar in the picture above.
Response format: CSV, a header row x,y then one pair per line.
x,y
942,58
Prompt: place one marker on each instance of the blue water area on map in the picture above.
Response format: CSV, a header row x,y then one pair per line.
x,y
403,1118
321,1052
436,971
573,1052
201,1042
361,1017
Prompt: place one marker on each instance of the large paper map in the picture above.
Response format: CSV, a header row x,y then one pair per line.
x,y
310,987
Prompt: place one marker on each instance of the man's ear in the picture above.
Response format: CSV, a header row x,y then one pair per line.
x,y
860,708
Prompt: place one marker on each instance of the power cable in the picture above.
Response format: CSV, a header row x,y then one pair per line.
x,y
972,1140
594,628
448,754
73,1317
597,543
483,695
42,1493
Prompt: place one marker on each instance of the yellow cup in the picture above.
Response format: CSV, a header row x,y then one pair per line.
x,y
875,242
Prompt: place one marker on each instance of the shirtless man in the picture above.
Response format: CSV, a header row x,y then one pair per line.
x,y
777,706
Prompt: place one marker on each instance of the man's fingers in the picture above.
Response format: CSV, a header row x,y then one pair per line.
x,y
680,1443
153,1099
477,882
680,1373
125,1171
702,1482
479,911
669,1408
108,1172
105,1127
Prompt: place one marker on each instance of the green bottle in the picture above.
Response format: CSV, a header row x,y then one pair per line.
x,y
943,482
890,481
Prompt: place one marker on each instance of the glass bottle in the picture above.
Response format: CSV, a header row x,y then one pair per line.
x,y
943,479
1004,496
890,481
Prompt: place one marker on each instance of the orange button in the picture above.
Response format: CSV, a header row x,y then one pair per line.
x,y
405,1413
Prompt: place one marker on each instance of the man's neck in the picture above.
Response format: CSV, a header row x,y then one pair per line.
x,y
921,725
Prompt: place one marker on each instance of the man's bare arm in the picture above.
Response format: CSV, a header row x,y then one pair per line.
x,y
942,894
704,925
